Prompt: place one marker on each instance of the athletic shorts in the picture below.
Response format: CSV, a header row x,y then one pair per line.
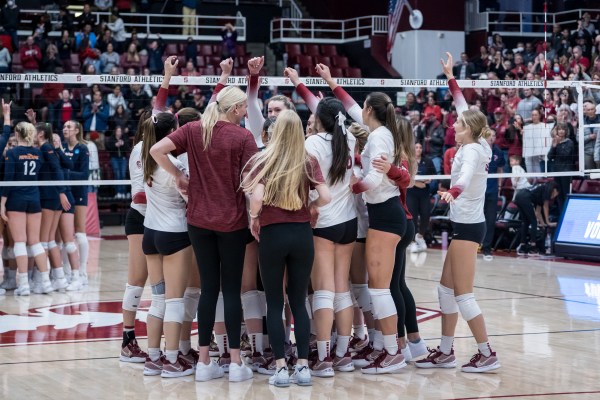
x,y
388,216
81,199
470,232
164,243
343,233
361,240
51,204
26,206
71,202
134,223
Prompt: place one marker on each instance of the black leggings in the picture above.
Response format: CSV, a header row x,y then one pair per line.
x,y
220,257
291,245
490,211
527,209
403,298
419,205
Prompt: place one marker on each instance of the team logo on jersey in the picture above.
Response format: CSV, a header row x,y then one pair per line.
x,y
70,323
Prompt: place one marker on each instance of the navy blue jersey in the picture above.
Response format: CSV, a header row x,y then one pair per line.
x,y
80,156
51,171
6,129
23,164
497,161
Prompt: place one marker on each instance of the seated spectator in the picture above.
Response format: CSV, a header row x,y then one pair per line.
x,y
65,46
411,104
155,50
520,68
191,51
117,27
31,56
137,102
131,59
176,106
134,39
51,63
529,54
115,99
581,38
499,126
483,60
88,55
65,109
95,115
86,17
121,118
105,40
450,118
118,146
86,33
5,58
65,20
109,59
199,100
449,155
414,117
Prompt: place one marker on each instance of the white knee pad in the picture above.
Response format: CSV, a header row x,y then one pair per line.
x,y
468,306
37,249
361,292
263,303
251,305
44,245
447,301
383,303
71,247
157,307
191,297
354,302
132,297
220,311
174,310
20,249
80,237
52,244
322,299
341,301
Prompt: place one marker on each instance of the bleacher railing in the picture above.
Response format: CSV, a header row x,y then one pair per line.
x,y
327,30
207,27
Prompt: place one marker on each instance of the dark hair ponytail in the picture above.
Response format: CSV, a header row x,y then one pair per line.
x,y
155,129
327,113
46,129
385,112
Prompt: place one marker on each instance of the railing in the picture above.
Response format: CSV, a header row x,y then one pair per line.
x,y
206,27
327,30
508,23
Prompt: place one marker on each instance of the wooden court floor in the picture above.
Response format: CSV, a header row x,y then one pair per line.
x,y
543,317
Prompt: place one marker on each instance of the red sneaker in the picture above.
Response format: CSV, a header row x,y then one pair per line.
x,y
481,363
179,368
437,359
132,353
152,368
385,364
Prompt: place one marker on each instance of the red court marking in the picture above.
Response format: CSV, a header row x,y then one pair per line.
x,y
507,396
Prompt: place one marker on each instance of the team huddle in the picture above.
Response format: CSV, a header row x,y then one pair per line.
x,y
263,224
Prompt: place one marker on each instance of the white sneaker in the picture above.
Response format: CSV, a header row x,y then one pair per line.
x,y
301,376
406,353
239,373
281,378
60,283
75,285
206,372
43,287
418,349
83,277
22,290
413,247
421,244
9,284
2,291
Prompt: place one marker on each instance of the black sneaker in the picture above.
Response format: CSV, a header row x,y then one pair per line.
x,y
533,251
522,249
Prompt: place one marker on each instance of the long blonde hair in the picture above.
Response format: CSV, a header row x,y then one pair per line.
x,y
283,166
25,131
477,121
227,98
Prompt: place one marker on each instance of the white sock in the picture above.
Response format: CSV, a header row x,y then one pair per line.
x,y
378,341
372,335
256,341
446,344
485,349
45,276
221,343
23,279
323,347
84,250
65,258
342,345
75,277
359,331
58,273
391,344
172,355
154,354
184,346
30,274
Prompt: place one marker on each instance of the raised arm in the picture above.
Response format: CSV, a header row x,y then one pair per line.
x,y
459,99
309,98
351,106
226,67
6,129
171,64
255,115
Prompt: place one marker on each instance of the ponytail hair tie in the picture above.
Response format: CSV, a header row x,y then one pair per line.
x,y
341,119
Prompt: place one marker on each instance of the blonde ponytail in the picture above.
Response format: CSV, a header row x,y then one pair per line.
x,y
227,98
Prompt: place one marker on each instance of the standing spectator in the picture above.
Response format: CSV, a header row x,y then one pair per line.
x,y
483,60
449,155
86,17
115,99
229,35
448,124
65,47
118,148
85,33
512,101
520,68
88,55
109,59
65,109
432,107
590,135
191,51
499,126
587,24
41,28
418,200
103,42
490,205
9,21
95,115
431,137
463,69
31,56
411,104
117,27
155,49
5,58
514,136
529,53
131,59
527,104
189,17
103,5
581,37
561,155
51,63
120,118
65,20
519,181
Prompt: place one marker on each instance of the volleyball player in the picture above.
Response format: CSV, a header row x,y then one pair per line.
x,y
20,207
9,274
53,200
278,182
217,150
466,199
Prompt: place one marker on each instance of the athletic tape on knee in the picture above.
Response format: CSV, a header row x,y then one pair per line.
x,y
159,288
157,307
468,306
447,301
191,297
70,247
132,297
44,245
174,310
322,299
361,292
220,311
341,301
383,303
251,305
52,244
20,249
37,249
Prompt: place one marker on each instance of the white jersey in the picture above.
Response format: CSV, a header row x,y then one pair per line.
x,y
379,187
520,182
341,208
136,173
363,216
166,208
469,180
